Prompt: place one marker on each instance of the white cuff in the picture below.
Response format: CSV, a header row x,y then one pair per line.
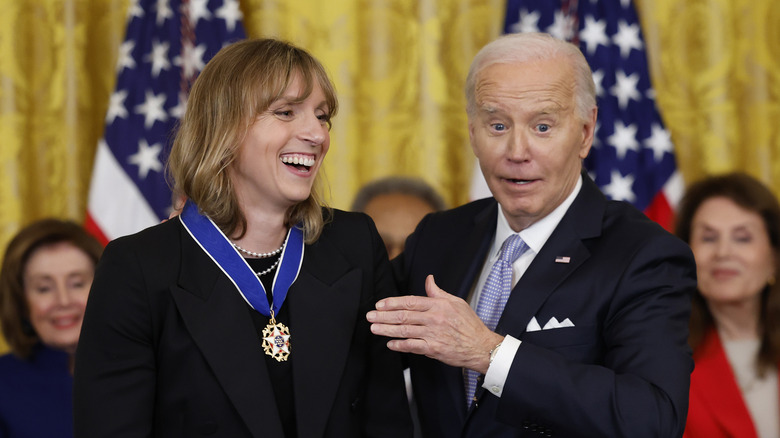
x,y
497,372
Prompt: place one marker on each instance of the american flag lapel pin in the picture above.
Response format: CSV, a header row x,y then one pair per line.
x,y
562,259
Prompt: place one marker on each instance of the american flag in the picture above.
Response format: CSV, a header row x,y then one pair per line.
x,y
167,44
632,158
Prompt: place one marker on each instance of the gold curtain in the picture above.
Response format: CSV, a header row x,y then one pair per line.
x,y
715,66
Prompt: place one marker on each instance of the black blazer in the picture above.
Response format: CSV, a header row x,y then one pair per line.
x,y
168,347
623,370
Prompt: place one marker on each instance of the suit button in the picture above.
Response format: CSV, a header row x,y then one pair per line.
x,y
526,424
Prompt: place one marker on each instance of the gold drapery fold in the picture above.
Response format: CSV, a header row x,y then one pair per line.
x,y
715,66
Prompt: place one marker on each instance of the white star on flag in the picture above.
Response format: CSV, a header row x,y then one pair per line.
x,y
116,106
199,10
231,13
529,22
624,139
125,59
191,59
619,188
147,158
625,88
562,27
627,38
164,12
159,57
660,141
594,34
152,109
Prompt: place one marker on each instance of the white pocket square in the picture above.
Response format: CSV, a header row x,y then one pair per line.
x,y
553,323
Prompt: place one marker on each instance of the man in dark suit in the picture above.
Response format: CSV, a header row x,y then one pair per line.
x,y
582,330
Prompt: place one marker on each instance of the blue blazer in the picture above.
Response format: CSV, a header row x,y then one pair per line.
x,y
168,347
36,395
623,370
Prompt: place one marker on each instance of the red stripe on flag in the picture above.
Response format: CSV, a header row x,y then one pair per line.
x,y
661,212
93,229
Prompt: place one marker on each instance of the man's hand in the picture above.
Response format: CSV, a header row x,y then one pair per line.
x,y
440,326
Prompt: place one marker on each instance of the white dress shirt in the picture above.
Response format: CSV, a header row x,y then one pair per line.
x,y
535,237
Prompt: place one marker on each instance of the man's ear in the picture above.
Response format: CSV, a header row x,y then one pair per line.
x,y
588,132
471,138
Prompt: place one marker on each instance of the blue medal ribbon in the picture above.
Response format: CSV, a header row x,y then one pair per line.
x,y
218,247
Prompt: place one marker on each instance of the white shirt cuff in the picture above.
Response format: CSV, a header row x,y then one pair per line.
x,y
498,371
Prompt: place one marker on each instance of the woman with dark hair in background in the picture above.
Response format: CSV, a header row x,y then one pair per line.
x,y
44,282
244,316
732,223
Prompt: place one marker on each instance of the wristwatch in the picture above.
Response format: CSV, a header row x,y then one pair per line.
x,y
493,352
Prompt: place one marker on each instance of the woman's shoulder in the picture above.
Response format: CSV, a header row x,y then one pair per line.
x,y
8,362
349,231
156,238
349,222
41,358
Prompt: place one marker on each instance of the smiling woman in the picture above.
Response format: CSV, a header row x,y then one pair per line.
x,y
245,316
732,223
45,279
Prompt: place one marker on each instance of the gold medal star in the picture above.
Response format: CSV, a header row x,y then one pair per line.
x,y
276,341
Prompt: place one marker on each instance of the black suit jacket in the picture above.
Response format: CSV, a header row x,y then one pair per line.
x,y
623,370
168,347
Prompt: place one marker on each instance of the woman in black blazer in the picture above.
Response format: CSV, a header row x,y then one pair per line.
x,y
244,316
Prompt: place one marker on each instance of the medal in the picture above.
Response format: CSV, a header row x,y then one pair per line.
x,y
276,340
275,336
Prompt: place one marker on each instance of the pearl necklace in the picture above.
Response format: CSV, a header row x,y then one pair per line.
x,y
260,255
260,274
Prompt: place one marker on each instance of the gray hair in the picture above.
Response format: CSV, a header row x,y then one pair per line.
x,y
525,47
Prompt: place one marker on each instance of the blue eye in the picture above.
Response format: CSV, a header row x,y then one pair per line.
x,y
543,127
499,126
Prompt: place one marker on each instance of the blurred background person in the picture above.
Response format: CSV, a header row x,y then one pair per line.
x,y
732,223
44,282
397,204
244,316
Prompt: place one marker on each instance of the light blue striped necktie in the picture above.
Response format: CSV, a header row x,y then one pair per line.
x,y
494,295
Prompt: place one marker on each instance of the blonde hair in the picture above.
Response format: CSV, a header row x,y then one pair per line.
x,y
239,83
527,47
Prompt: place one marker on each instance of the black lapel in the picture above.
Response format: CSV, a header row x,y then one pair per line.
x,y
324,304
467,260
217,318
